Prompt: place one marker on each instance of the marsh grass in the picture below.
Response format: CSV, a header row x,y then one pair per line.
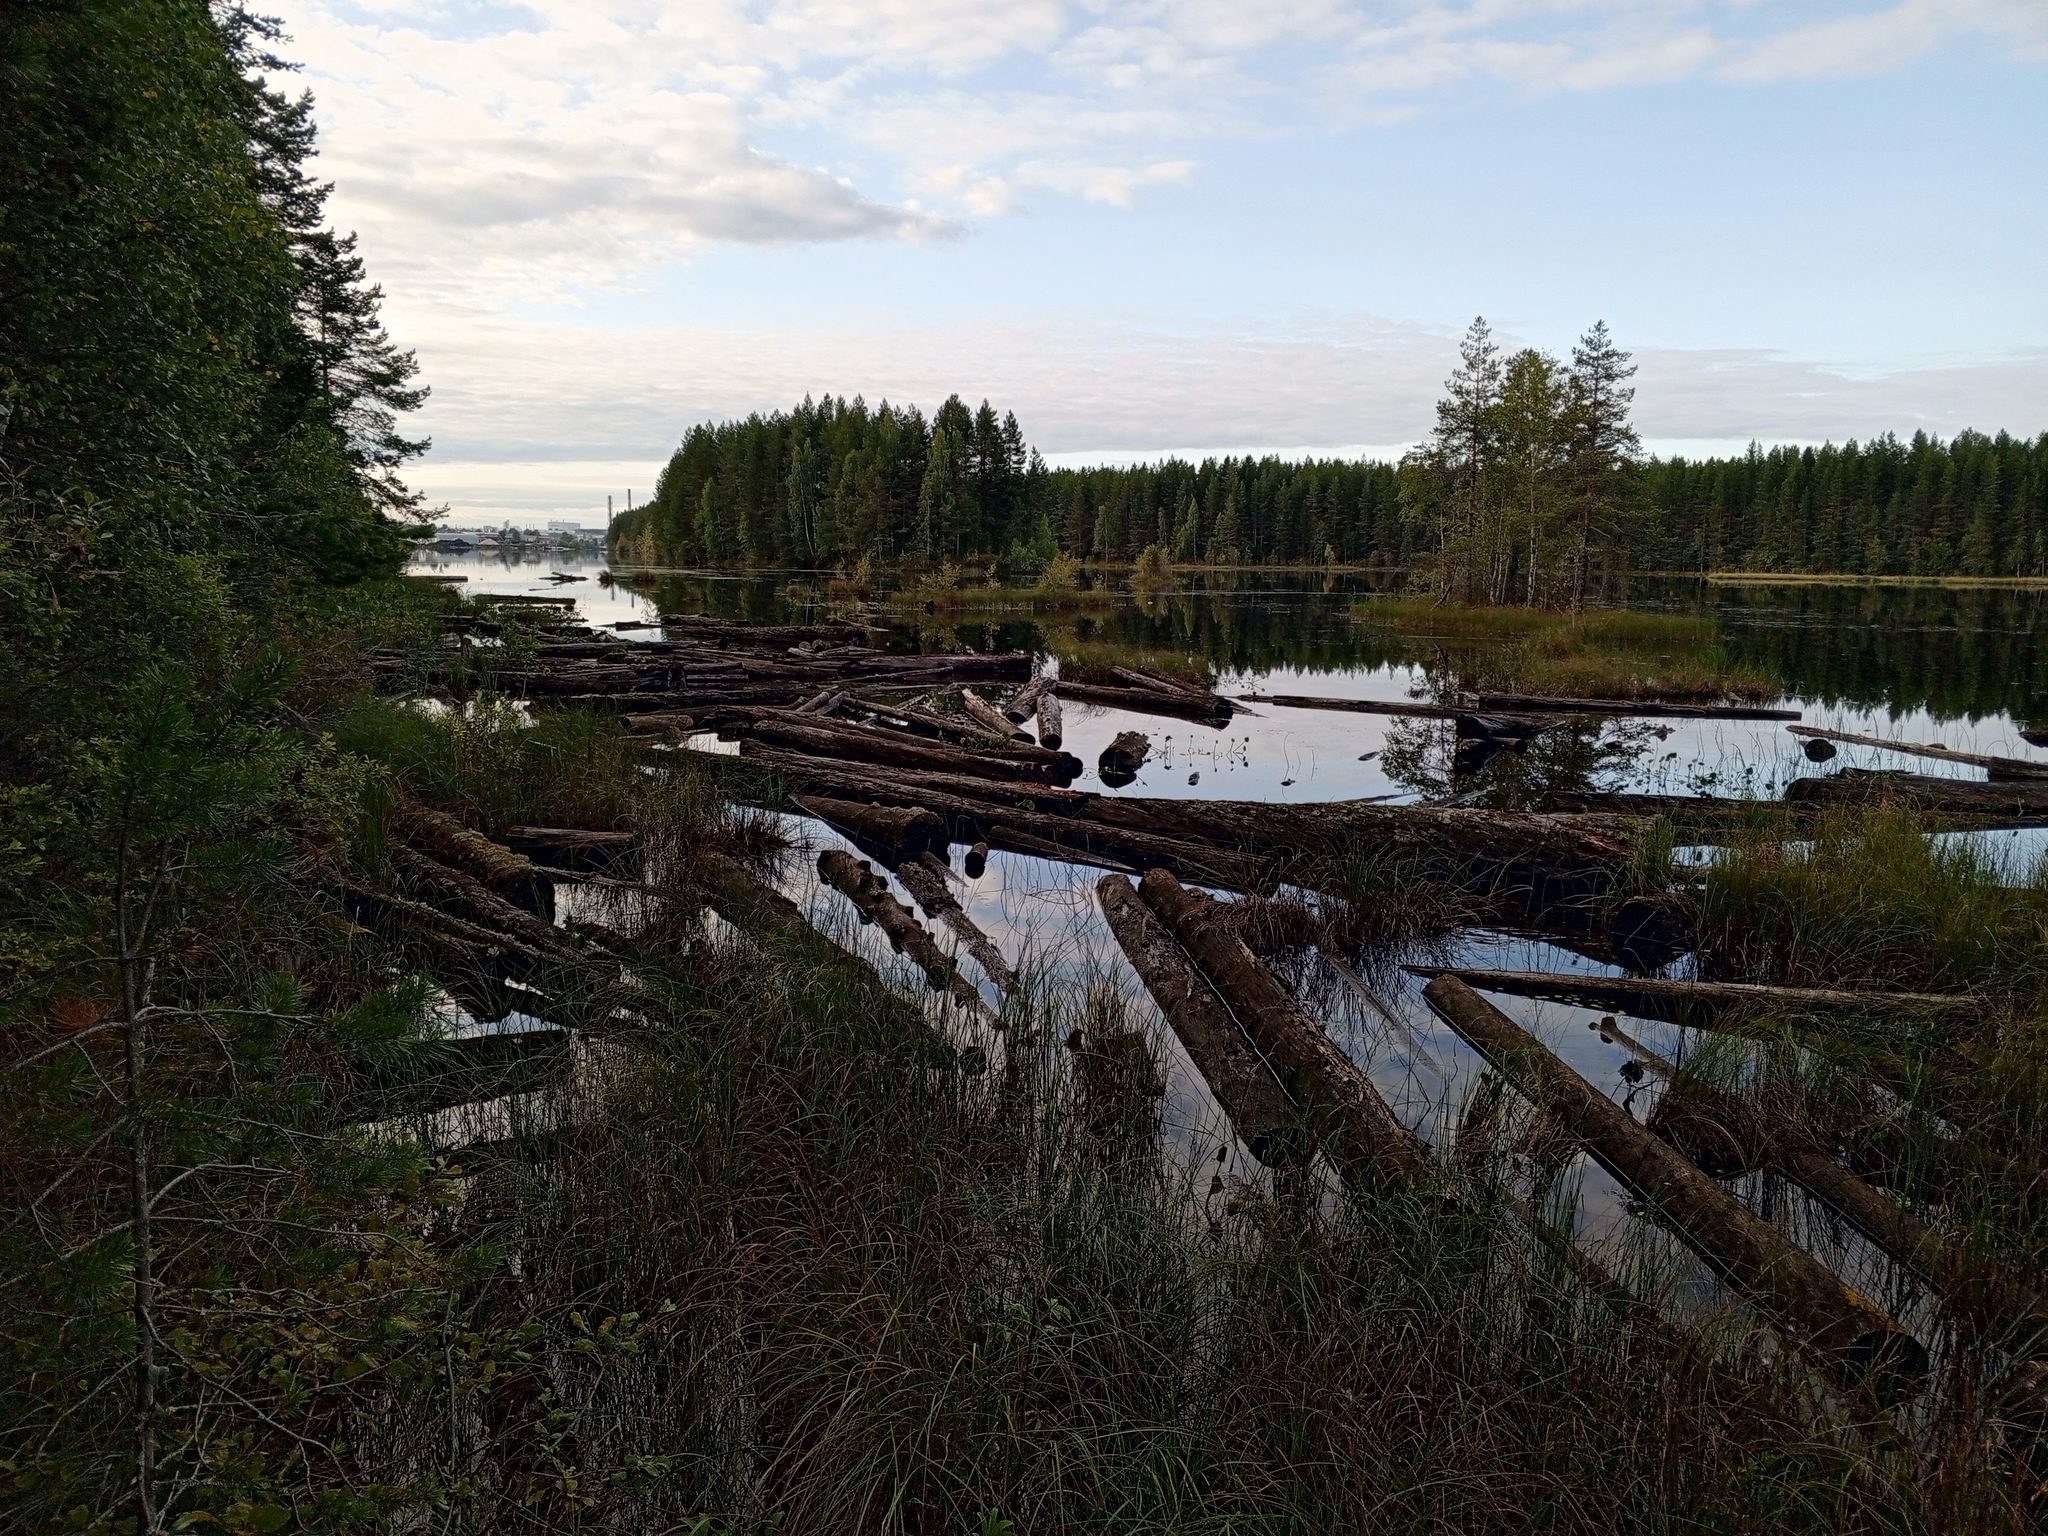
x,y
1602,653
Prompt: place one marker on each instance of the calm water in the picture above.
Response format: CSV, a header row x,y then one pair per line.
x,y
1964,668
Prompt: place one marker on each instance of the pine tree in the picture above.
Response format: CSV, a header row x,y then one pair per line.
x,y
1603,446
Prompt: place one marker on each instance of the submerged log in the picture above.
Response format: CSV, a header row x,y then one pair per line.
x,y
1693,1002
1852,1336
869,892
1050,732
1361,1134
924,876
1244,1085
892,832
1406,708
1123,757
1209,709
510,875
2010,800
1998,767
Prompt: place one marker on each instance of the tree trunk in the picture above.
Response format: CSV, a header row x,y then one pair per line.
x,y
1050,734
1244,1085
1999,767
886,749
894,832
1364,1139
869,893
988,717
924,876
1853,1337
511,875
1697,1003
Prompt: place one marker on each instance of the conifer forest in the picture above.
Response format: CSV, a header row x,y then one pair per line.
x,y
928,993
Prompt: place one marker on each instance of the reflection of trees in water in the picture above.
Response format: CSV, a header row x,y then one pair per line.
x,y
1582,754
1953,651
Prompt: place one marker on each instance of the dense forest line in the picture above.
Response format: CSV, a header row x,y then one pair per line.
x,y
834,480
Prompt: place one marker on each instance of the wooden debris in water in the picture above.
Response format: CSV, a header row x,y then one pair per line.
x,y
1123,757
1693,1002
1998,767
1822,1314
924,876
856,880
1050,734
892,832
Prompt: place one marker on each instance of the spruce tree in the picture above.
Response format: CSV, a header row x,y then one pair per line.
x,y
1603,446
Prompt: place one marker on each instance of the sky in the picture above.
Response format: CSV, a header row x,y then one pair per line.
x,y
1179,226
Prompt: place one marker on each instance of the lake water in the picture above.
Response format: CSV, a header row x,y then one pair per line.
x,y
1965,668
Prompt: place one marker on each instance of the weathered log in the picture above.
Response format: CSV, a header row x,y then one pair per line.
x,y
1687,813
1159,682
1361,1134
1694,1002
598,853
1853,1337
988,717
1244,1085
976,861
1535,703
478,902
892,832
511,875
1212,710
869,892
1123,757
888,749
660,722
1406,708
1050,733
1509,728
2010,800
924,876
1025,700
820,703
1998,767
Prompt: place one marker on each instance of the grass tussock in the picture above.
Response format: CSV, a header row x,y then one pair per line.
x,y
1872,900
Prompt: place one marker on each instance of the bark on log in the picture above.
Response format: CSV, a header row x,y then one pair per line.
x,y
976,861
988,717
1050,731
893,832
1244,1085
1853,1337
1158,682
924,876
2009,801
1124,756
887,749
479,903
1025,700
869,892
1406,708
1361,1134
1213,710
1998,767
511,875
660,722
1697,1003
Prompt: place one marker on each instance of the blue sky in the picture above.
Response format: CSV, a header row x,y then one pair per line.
x,y
1183,225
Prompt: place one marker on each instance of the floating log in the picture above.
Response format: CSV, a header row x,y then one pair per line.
x,y
1406,708
892,832
598,853
924,876
1361,1134
1511,728
1015,819
889,750
1159,682
478,902
1536,703
1693,1002
1244,1085
1123,757
1212,709
869,892
524,599
1846,1331
1998,767
1686,812
660,722
510,875
1025,700
2011,800
976,861
1049,730
988,717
